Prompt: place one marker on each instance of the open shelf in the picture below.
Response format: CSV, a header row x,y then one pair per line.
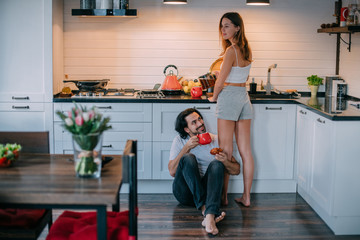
x,y
347,29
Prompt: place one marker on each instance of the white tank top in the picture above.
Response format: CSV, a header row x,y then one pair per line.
x,y
238,74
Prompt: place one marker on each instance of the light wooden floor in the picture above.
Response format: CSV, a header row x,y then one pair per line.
x,y
271,216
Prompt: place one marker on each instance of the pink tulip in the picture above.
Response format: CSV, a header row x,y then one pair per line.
x,y
86,116
79,120
70,114
76,111
68,122
91,114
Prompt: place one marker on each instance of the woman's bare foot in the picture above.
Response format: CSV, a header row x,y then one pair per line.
x,y
210,224
224,200
243,201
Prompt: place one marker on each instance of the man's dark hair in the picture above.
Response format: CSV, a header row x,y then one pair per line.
x,y
181,123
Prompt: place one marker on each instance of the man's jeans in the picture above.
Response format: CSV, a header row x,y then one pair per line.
x,y
190,189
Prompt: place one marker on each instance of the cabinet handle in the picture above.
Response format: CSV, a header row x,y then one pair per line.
x,y
203,108
270,108
107,146
20,98
320,121
108,107
302,112
20,107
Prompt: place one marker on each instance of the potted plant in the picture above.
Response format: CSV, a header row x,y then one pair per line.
x,y
314,82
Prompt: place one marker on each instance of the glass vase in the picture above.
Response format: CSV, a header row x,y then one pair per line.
x,y
87,155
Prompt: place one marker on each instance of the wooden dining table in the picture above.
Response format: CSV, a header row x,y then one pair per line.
x,y
48,181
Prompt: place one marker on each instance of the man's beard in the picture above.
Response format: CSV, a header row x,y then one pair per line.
x,y
198,131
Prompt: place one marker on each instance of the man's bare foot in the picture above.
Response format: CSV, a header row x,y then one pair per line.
x,y
217,219
220,217
243,201
203,208
224,200
210,224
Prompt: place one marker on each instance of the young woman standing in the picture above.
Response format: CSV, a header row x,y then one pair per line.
x,y
234,109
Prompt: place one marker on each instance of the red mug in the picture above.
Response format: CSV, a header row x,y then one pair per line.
x,y
343,16
204,138
196,92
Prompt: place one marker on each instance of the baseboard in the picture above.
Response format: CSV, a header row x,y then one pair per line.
x,y
235,186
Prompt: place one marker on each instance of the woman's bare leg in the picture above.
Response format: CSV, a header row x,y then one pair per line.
x,y
226,129
243,141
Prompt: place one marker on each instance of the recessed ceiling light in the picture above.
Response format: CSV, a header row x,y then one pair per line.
x,y
175,1
258,2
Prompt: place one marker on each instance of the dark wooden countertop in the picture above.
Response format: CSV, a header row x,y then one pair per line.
x,y
323,106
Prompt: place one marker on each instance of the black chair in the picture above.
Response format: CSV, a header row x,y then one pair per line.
x,y
31,142
120,225
25,223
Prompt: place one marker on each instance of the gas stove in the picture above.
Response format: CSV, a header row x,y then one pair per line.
x,y
118,93
106,93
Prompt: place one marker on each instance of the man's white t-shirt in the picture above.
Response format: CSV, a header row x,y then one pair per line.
x,y
202,152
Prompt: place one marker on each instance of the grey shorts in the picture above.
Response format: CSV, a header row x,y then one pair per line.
x,y
234,104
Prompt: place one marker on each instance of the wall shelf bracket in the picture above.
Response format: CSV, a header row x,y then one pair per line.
x,y
347,43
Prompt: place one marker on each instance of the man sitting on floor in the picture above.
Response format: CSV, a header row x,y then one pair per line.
x,y
199,176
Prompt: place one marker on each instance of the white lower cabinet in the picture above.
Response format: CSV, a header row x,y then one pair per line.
x,y
321,169
161,153
25,116
128,121
164,116
304,142
273,134
327,173
314,155
273,137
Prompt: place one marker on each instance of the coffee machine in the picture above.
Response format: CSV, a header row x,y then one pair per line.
x,y
341,89
335,87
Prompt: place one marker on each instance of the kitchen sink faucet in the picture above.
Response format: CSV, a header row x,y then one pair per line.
x,y
268,85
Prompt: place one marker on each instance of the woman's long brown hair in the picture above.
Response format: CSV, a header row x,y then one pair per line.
x,y
239,37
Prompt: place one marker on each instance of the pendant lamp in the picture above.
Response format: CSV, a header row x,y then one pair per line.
x,y
175,1
258,2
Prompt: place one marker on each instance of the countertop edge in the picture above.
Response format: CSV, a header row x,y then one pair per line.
x,y
202,100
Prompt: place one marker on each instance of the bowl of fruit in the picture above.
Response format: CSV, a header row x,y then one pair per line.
x,y
187,85
9,153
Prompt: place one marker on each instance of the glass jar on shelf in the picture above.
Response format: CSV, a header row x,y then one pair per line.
x,y
353,16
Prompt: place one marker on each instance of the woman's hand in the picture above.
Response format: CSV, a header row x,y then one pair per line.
x,y
211,99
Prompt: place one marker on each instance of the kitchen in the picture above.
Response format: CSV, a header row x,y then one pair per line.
x,y
133,51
